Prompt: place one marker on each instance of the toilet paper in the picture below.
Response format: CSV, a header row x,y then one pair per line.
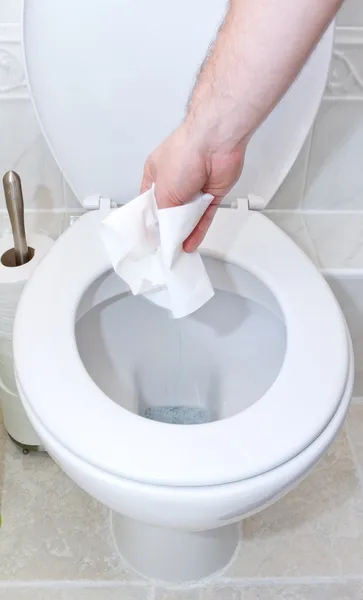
x,y
13,279
145,246
12,282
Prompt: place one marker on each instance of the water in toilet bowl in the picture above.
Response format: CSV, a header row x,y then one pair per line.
x,y
178,415
203,368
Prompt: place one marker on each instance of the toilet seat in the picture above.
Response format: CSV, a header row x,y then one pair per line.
x,y
287,419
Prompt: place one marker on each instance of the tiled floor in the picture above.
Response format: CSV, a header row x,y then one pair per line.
x,y
55,542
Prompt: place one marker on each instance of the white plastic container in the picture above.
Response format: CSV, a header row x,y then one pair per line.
x,y
12,282
15,420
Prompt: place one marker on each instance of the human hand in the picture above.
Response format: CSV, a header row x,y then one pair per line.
x,y
184,165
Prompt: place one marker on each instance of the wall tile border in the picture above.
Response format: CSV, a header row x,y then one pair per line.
x,y
345,82
12,73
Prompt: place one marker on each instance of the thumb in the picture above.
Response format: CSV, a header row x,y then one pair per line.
x,y
147,179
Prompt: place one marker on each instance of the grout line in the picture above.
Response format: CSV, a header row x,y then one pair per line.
x,y
307,164
222,581
237,583
80,584
47,211
343,98
341,272
357,466
312,247
342,29
22,94
315,212
241,549
267,581
64,194
332,212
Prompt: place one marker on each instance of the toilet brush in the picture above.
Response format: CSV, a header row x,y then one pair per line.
x,y
15,205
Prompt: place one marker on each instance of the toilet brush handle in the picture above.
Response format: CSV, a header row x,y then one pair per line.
x,y
15,206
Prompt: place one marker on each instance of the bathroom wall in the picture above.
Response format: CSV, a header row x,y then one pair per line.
x,y
320,204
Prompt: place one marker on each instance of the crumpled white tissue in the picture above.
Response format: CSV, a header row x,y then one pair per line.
x,y
145,246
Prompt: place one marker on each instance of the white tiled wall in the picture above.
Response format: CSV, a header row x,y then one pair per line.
x,y
328,175
22,146
10,11
351,14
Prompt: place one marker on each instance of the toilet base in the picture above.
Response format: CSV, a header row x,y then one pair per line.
x,y
174,555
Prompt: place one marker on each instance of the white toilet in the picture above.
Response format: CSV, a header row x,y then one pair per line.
x,y
258,381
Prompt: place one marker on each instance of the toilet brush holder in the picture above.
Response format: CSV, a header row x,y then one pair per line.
x,y
17,262
16,422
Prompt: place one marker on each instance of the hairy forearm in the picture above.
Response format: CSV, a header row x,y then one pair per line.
x,y
258,52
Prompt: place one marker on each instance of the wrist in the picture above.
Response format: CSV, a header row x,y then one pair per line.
x,y
216,132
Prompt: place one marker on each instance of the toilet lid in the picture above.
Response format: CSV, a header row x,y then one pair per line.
x,y
294,411
110,80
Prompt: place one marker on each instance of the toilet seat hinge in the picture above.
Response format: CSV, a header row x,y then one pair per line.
x,y
245,203
255,202
97,202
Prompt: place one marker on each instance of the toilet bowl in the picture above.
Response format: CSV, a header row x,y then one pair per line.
x,y
181,427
